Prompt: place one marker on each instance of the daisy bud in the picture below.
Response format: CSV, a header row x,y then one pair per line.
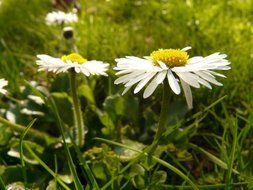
x,y
68,32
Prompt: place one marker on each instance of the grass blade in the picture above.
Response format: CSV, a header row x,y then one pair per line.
x,y
21,150
232,155
43,137
2,186
91,178
204,187
162,162
77,182
43,164
213,158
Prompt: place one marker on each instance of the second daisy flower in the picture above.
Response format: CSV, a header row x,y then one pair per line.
x,y
173,65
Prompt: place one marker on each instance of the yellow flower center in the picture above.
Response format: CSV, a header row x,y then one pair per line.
x,y
171,57
74,57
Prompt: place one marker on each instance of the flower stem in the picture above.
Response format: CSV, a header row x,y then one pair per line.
x,y
161,128
164,111
78,119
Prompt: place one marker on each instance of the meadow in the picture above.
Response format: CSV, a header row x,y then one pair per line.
x,y
207,147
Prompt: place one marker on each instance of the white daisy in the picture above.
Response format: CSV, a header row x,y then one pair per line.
x,y
59,17
72,61
173,65
3,83
36,99
31,112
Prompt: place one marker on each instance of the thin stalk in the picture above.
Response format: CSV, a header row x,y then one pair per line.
x,y
78,119
71,164
161,128
43,164
32,132
145,153
22,161
207,187
88,173
55,170
13,99
164,111
2,186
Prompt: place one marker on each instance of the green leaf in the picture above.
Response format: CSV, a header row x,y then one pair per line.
x,y
85,91
11,174
136,169
139,182
107,122
159,177
127,154
16,185
117,105
64,102
60,84
114,105
5,134
177,110
51,185
14,150
99,170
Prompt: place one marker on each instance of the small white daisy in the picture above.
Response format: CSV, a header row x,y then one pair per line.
x,y
36,99
72,61
31,112
59,17
173,65
3,83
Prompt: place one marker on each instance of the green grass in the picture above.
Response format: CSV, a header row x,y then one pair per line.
x,y
210,146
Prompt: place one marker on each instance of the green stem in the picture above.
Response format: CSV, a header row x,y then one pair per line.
x,y
22,161
71,164
43,164
78,120
164,111
2,184
161,128
32,132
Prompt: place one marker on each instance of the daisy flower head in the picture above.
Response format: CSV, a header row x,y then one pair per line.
x,y
72,61
60,17
173,65
3,83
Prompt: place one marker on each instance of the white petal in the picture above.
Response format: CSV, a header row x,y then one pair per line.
x,y
217,74
123,72
189,78
186,48
187,93
205,83
143,82
162,65
208,77
161,76
137,79
128,77
93,67
77,69
154,83
195,59
173,82
125,90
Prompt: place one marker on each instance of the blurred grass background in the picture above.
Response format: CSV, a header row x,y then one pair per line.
x,y
110,29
